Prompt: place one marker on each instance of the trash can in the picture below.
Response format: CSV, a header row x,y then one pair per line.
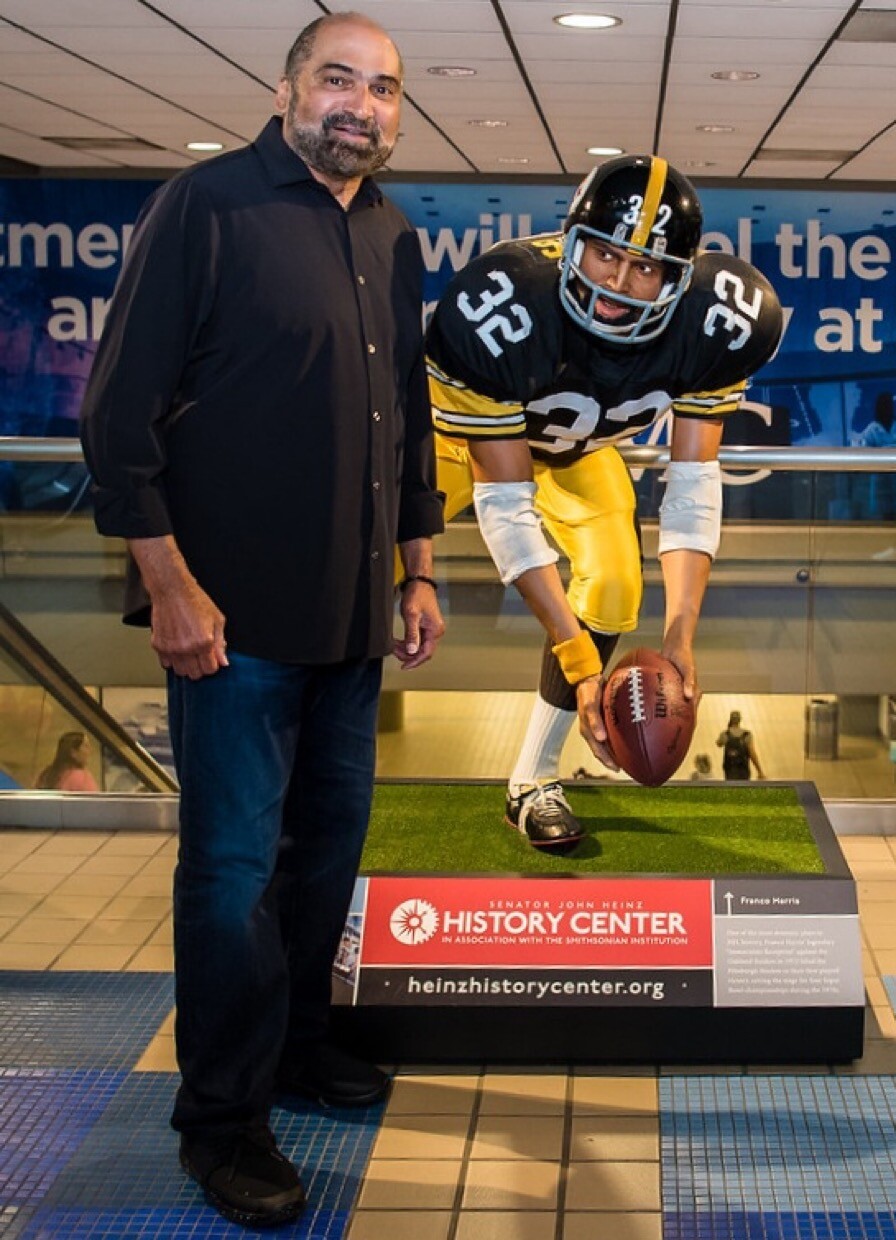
x,y
822,728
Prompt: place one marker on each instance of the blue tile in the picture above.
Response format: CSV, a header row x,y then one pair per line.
x,y
45,1115
80,1020
86,1150
812,1158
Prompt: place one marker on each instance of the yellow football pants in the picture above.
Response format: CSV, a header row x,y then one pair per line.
x,y
589,510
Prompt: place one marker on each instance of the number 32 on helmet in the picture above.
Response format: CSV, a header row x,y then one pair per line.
x,y
637,203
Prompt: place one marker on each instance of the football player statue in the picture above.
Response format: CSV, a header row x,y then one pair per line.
x,y
544,353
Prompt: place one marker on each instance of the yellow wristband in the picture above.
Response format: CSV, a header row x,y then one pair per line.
x,y
578,657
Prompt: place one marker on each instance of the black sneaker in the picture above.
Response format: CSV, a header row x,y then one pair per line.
x,y
543,815
333,1078
246,1179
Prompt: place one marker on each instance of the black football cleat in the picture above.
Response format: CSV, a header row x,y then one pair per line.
x,y
543,815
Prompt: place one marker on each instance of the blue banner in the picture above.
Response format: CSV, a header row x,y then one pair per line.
x,y
827,252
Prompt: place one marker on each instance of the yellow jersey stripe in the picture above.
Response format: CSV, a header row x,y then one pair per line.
x,y
464,429
458,410
656,183
711,404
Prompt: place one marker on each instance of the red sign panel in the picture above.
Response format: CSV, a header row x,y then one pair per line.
x,y
589,923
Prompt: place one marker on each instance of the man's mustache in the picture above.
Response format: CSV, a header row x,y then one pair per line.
x,y
338,119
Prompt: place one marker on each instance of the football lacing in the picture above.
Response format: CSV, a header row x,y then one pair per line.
x,y
636,681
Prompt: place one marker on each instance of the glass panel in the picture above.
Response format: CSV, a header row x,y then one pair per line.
x,y
797,634
41,745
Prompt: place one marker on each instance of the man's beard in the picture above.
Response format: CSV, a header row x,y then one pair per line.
x,y
329,153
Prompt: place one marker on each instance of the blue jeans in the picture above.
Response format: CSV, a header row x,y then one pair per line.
x,y
276,766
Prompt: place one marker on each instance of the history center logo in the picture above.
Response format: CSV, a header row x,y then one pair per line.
x,y
414,921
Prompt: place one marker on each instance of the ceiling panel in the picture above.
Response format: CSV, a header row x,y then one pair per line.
x,y
53,15
207,65
805,170
753,53
770,22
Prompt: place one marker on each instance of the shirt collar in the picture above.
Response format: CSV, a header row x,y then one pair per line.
x,y
285,167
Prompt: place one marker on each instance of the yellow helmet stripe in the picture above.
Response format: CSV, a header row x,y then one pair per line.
x,y
656,183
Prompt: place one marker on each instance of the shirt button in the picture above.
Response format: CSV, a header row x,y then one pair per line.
x,y
374,555
376,415
376,486
371,348
361,280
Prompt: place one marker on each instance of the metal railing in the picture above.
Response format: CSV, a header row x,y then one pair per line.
x,y
641,456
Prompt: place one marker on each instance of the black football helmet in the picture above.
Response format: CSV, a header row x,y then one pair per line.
x,y
640,204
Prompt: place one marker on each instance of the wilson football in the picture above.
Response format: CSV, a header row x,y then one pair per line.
x,y
649,721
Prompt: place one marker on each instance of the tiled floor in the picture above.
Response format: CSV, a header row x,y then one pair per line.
x,y
467,1154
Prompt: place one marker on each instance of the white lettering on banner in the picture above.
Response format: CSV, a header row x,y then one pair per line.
x,y
497,921
37,245
485,985
719,241
73,319
627,923
446,245
866,257
97,245
639,925
840,336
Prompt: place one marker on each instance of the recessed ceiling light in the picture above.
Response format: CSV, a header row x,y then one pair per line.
x,y
587,21
700,163
451,71
604,150
205,146
512,159
715,129
735,75
487,124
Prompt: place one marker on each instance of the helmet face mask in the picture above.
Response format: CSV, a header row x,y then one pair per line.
x,y
644,208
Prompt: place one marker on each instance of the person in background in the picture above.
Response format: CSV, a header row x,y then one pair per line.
x,y
257,427
879,433
544,353
876,493
68,771
738,750
702,767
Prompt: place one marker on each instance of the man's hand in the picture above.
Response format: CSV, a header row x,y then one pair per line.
x,y
589,696
188,631
187,627
423,625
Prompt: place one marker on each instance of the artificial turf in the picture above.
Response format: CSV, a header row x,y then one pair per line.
x,y
450,828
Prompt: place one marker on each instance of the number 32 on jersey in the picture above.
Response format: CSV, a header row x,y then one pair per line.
x,y
513,323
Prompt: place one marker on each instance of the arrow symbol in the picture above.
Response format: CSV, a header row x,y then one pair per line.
x,y
728,898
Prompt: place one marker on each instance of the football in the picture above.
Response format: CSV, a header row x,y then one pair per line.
x,y
649,721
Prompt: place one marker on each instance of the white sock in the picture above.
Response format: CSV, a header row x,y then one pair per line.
x,y
539,758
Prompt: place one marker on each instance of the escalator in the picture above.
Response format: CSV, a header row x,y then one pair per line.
x,y
42,667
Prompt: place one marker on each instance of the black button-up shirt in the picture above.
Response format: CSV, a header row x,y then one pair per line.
x,y
259,392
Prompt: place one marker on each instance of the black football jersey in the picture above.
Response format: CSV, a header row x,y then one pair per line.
x,y
506,361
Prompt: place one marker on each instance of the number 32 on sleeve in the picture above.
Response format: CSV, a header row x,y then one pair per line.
x,y
739,322
513,323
